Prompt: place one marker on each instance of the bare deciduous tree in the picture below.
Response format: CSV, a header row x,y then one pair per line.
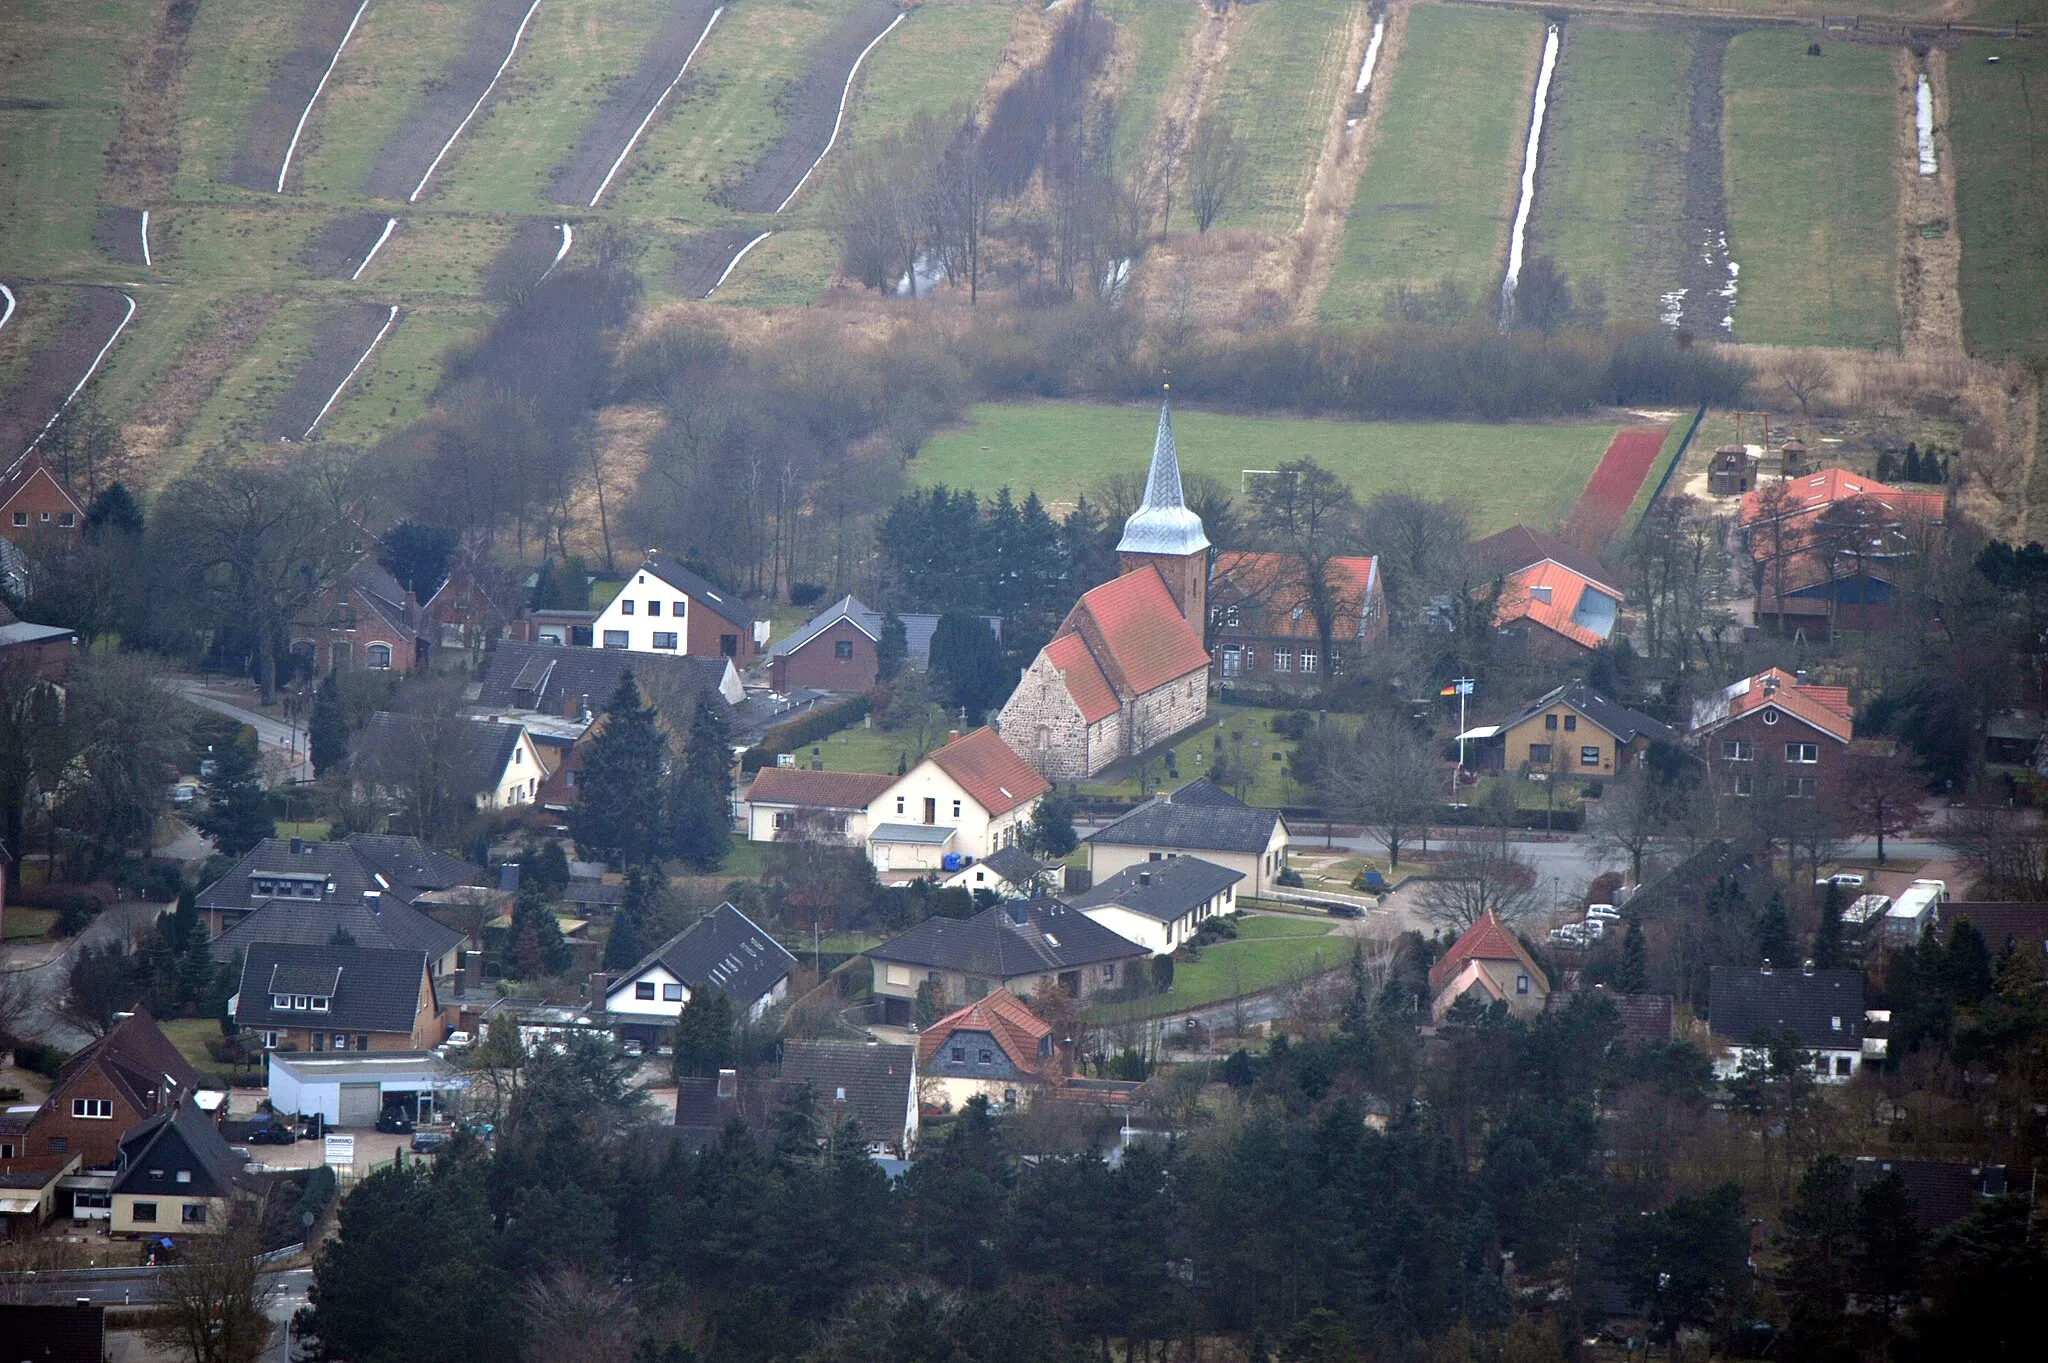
x,y
571,1319
1804,376
213,1300
1479,876
1386,779
1634,814
1216,161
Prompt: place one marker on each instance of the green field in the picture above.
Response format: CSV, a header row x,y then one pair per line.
x,y
1812,203
1155,32
1438,195
1286,76
228,57
1506,473
2000,142
937,58
1611,187
1232,969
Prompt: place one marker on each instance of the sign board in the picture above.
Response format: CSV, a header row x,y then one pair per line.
x,y
341,1151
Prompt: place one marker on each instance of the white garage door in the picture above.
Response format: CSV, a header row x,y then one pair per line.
x,y
359,1105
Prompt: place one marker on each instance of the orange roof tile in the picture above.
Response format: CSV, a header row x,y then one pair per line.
x,y
987,769
1250,574
1002,1015
1825,708
1137,633
1548,594
818,789
1487,940
1816,492
1085,682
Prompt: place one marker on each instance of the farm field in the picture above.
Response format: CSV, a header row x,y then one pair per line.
x,y
2001,196
1437,198
1812,200
1286,73
940,56
1610,194
1156,35
229,56
1507,473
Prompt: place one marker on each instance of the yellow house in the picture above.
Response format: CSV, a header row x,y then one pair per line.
x,y
177,1177
1574,732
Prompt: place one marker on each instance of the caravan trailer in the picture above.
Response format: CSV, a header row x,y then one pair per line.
x,y
1910,916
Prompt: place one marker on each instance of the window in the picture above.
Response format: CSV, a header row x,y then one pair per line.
x,y
518,755
728,645
319,1041
959,1055
664,639
68,519
616,638
380,657
1589,757
625,607
184,1176
899,974
672,993
99,1109
270,1041
1844,1065
1802,752
843,650
1571,724
1336,663
644,989
1521,984
1230,617
785,819
987,1057
195,1214
1539,754
281,1002
1308,660
956,809
899,804
1741,783
653,608
144,1211
362,1041
1233,660
676,609
341,1041
1109,973
320,1003
1550,722
1738,750
1283,660
1802,788
302,1002
21,518
1770,716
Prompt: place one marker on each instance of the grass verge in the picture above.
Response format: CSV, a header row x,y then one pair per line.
x,y
1286,68
940,56
2001,149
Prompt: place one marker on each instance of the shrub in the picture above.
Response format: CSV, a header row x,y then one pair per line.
x,y
810,728
1291,878
806,593
38,1058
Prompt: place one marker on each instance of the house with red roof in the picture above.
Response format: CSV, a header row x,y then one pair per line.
x,y
994,1048
963,802
36,504
788,802
1561,612
1774,734
1266,629
1126,669
1490,963
1827,551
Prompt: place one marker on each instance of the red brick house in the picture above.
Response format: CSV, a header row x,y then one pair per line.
x,y
40,651
838,649
35,502
1774,732
461,616
126,1077
367,621
1264,630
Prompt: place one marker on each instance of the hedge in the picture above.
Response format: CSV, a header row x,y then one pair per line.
x,y
808,728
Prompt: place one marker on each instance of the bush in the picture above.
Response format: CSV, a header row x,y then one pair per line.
x,y
1290,878
806,593
76,915
1295,724
37,1058
816,725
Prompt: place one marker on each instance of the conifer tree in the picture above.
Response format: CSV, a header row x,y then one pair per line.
x,y
700,796
1827,935
1774,932
327,732
1635,963
619,815
237,815
704,1043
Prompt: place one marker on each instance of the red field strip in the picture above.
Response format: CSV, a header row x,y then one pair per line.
x,y
1612,488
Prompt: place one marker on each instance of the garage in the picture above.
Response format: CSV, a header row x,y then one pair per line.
x,y
352,1090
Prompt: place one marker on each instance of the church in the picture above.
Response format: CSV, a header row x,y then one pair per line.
x,y
1126,669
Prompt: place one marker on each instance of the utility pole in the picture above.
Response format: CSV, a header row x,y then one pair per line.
x,y
1462,687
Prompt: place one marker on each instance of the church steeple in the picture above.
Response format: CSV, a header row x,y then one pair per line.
x,y
1162,533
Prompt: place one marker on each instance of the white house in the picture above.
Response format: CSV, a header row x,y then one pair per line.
x,y
725,951
788,802
1008,872
353,1090
970,798
1820,1011
1198,820
666,609
497,765
1160,905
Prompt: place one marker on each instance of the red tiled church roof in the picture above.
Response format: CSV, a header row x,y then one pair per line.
x,y
1085,682
1136,633
988,770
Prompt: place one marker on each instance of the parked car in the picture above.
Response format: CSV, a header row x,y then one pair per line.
x,y
634,1049
1846,879
394,1122
1345,911
430,1142
271,1133
457,1040
1606,911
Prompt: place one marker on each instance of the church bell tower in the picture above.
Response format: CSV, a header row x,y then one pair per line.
x,y
1165,534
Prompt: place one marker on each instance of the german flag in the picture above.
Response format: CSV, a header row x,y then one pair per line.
x,y
1450,690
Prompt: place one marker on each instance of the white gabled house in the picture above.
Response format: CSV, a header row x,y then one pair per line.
x,y
725,951
666,609
1160,905
967,800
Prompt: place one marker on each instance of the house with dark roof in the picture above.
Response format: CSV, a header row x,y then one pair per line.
x,y
1265,630
366,620
297,871
994,1048
1521,547
1821,1010
835,650
1946,1191
126,1077
1199,820
1126,670
176,1177
29,1195
971,798
1489,963
569,682
2023,926
55,1334
871,1083
42,652
36,505
827,806
494,765
665,609
375,920
337,998
1774,734
1010,873
1572,730
460,617
724,951
1161,904
1027,946
704,1105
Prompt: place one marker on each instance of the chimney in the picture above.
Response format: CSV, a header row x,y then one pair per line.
x,y
508,876
1770,685
952,735
1144,877
1799,677
728,1083
1806,968
600,985
1765,968
472,970
583,709
298,847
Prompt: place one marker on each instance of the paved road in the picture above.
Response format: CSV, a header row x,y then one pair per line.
x,y
47,967
273,733
135,1286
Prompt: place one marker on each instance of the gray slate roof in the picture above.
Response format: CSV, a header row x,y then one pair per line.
x,y
313,923
918,628
1166,890
1743,1001
995,945
682,579
1014,864
874,1079
374,989
1619,720
1209,820
933,833
397,750
409,867
170,1141
1521,546
550,676
724,950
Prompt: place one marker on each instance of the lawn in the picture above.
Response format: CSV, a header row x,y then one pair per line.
x,y
229,55
1438,196
190,1036
1285,78
2000,143
234,414
393,388
787,270
1258,926
29,925
1246,730
1812,202
1611,186
1232,969
1507,473
60,92
1152,36
939,57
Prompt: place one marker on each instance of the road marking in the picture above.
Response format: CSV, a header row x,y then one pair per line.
x,y
656,109
509,54
384,236
307,112
844,95
333,397
90,370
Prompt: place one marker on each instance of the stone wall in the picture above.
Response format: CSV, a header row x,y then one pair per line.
x,y
1042,724
1164,711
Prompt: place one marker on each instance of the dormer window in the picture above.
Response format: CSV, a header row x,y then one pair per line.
x,y
263,887
281,1002
1770,715
320,1003
301,1003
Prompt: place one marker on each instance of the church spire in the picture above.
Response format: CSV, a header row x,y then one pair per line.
x,y
1163,524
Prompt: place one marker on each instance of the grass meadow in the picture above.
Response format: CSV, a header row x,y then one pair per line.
x,y
1246,966
938,57
1507,473
1152,36
1285,77
1813,206
1610,199
1438,196
1998,135
228,59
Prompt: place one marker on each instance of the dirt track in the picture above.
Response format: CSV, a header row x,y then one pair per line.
x,y
56,368
117,232
292,83
701,259
448,100
341,246
1706,192
142,160
619,117
339,341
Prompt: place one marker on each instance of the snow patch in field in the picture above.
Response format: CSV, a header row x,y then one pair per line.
x,y
1530,153
1923,123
